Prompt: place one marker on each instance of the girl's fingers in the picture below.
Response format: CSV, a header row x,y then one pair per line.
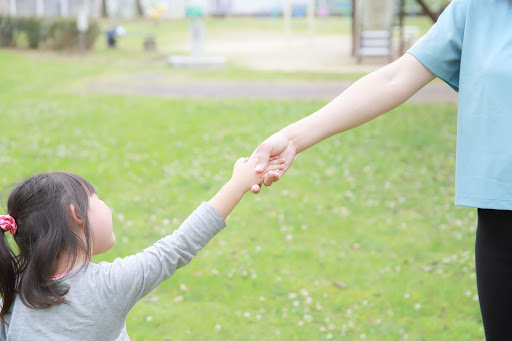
x,y
270,178
273,168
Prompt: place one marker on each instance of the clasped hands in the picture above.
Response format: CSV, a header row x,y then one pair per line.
x,y
276,147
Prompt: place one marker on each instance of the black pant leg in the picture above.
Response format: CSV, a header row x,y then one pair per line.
x,y
493,258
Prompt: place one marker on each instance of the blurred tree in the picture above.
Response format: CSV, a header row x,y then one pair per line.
x,y
431,13
104,12
140,9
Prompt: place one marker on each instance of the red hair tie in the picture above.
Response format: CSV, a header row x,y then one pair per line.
x,y
7,223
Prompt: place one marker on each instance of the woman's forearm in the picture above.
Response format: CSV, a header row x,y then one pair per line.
x,y
366,99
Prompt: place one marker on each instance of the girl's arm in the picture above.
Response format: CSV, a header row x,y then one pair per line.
x,y
244,176
127,280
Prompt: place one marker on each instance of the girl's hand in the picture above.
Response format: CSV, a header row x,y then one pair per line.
x,y
276,146
245,174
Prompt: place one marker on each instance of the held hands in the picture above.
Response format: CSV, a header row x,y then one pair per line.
x,y
245,174
277,146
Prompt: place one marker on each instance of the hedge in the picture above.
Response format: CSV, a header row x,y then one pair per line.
x,y
58,33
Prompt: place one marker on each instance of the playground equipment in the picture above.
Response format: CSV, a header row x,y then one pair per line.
x,y
373,23
308,11
196,59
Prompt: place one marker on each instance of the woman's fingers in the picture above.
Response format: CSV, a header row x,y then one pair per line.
x,y
276,160
270,178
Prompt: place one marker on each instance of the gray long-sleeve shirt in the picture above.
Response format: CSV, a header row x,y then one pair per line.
x,y
101,295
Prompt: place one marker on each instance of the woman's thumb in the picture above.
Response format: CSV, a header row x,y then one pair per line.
x,y
262,153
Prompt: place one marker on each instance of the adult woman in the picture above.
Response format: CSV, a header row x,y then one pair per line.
x,y
470,48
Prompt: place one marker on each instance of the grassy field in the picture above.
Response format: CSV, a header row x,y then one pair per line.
x,y
360,240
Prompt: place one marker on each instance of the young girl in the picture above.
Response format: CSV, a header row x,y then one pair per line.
x,y
51,290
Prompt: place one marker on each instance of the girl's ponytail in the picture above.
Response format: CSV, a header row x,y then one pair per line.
x,y
8,271
43,230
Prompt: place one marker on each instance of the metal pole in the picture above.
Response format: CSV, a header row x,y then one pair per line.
x,y
311,18
354,27
81,42
196,27
64,12
12,8
287,17
40,8
401,18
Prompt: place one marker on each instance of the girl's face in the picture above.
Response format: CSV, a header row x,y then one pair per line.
x,y
100,221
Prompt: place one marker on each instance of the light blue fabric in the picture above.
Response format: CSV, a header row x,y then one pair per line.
x,y
470,48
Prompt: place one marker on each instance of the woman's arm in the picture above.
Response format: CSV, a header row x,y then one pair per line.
x,y
369,97
366,99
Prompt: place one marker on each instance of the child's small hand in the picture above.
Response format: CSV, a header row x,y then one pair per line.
x,y
245,175
243,178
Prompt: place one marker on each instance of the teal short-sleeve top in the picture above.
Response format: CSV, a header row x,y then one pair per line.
x,y
470,48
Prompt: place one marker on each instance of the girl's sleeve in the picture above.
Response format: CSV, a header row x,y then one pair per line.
x,y
440,49
129,279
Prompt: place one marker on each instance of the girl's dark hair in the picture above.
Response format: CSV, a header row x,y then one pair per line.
x,y
46,227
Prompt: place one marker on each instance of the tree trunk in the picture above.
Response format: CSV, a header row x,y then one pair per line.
x,y
140,10
104,12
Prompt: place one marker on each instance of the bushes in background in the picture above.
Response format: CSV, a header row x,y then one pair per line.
x,y
32,29
63,34
7,28
58,34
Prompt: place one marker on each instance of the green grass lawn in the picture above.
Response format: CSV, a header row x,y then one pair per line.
x,y
360,239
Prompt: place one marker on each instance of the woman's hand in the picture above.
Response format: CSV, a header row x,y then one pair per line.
x,y
276,146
